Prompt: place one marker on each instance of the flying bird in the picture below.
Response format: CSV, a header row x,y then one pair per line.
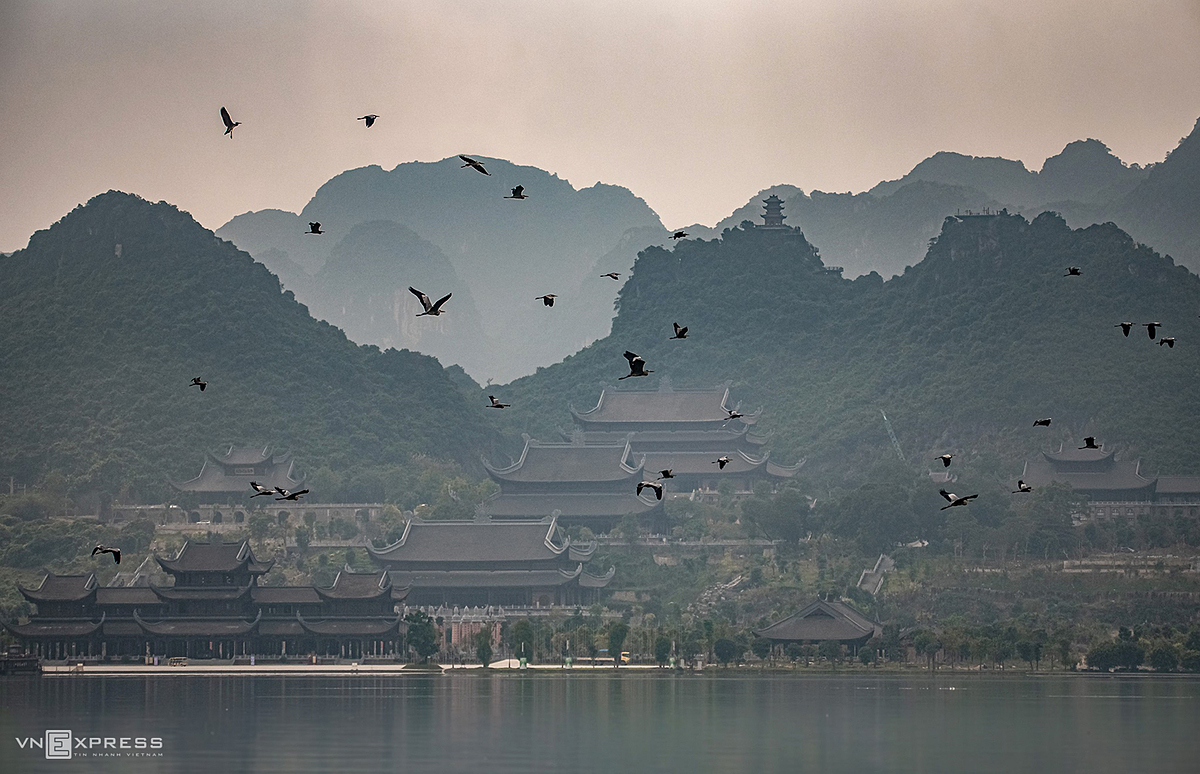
x,y
1022,487
1089,443
679,235
198,382
473,164
518,193
721,462
295,496
733,415
103,549
954,499
680,333
945,458
657,487
1125,326
1168,340
229,122
260,490
1151,328
668,473
612,275
497,404
547,299
1073,271
370,119
433,310
314,228
1042,422
637,367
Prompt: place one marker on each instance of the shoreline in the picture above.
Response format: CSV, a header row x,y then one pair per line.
x,y
511,667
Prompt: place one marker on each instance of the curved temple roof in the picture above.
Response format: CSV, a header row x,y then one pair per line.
x,y
664,405
214,557
554,462
198,627
821,620
474,541
61,588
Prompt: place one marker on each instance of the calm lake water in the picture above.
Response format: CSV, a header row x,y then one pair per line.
x,y
627,723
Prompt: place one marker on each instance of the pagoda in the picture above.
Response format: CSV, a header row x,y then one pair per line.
x,y
773,216
227,477
486,563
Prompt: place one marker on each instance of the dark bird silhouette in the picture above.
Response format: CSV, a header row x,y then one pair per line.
x,y
945,458
370,119
1089,443
295,496
679,235
680,333
1151,328
733,415
612,275
1073,271
497,404
433,310
314,228
1125,326
260,490
1022,487
1042,422
721,462
547,299
229,122
637,367
954,499
198,382
1168,340
518,193
668,473
473,164
103,549
657,487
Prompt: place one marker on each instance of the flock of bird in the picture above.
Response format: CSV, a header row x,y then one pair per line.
x,y
637,364
1090,441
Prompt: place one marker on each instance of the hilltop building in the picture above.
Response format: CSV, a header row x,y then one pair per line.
x,y
214,609
485,563
773,216
1115,488
227,478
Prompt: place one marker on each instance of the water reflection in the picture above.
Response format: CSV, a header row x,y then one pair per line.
x,y
601,723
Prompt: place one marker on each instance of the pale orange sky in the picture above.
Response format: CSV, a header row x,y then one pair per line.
x,y
694,106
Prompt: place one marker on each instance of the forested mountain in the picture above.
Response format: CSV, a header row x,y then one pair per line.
x,y
963,351
888,227
506,251
110,313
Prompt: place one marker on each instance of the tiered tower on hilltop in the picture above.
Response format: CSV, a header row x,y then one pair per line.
x,y
773,217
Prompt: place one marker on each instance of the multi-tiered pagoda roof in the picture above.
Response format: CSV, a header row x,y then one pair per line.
x,y
228,476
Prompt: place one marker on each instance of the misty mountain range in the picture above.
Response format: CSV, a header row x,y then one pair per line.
x,y
452,230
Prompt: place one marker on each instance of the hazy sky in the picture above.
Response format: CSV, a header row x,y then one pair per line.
x,y
695,106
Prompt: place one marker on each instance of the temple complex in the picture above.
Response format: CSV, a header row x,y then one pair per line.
x,y
491,563
215,609
1115,488
227,478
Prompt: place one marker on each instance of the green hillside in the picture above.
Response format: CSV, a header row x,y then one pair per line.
x,y
110,313
963,351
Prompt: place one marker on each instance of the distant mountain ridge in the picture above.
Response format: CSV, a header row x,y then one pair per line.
x,y
505,251
112,310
